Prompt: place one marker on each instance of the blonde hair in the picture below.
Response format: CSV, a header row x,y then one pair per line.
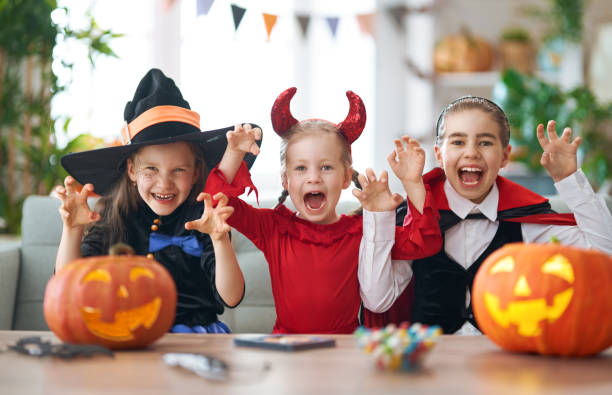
x,y
313,126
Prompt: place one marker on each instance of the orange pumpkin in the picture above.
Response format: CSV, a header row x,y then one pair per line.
x,y
117,301
463,53
549,299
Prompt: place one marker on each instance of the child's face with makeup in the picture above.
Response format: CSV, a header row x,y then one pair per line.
x,y
471,152
164,175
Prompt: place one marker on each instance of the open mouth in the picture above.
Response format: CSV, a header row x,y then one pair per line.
x,y
470,176
315,201
163,198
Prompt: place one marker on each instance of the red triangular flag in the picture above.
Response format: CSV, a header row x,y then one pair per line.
x,y
270,21
332,21
237,13
366,23
203,6
167,5
303,21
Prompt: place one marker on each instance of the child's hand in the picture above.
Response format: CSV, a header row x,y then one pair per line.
x,y
559,157
407,162
213,220
242,139
375,195
75,211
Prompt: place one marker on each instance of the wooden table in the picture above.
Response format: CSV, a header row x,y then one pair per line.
x,y
471,365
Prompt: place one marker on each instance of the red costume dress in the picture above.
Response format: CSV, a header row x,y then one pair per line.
x,y
313,267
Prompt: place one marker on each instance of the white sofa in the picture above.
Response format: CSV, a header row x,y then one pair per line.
x,y
26,267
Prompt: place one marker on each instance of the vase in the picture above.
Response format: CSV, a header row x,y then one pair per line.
x,y
517,55
563,61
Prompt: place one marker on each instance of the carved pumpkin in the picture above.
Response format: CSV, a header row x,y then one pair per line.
x,y
545,298
117,301
462,53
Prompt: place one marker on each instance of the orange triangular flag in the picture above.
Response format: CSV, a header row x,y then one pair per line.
x,y
366,23
270,21
167,5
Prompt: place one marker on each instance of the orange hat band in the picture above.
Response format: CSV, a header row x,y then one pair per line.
x,y
157,115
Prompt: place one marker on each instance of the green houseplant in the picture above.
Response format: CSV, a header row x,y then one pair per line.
x,y
529,101
564,20
29,152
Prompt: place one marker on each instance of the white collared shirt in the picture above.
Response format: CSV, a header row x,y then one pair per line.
x,y
383,280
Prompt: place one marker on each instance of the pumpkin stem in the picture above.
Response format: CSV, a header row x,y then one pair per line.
x,y
120,249
555,240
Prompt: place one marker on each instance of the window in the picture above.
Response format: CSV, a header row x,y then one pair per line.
x,y
230,76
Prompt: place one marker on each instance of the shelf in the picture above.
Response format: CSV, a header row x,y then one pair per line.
x,y
485,79
473,79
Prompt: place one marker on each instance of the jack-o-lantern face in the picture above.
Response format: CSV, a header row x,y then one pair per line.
x,y
125,321
526,311
532,297
116,301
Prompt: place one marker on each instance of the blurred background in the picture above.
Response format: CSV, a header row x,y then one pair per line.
x,y
67,68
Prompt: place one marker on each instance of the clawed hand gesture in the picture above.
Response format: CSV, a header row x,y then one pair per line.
x,y
214,219
74,210
375,194
560,153
407,160
242,139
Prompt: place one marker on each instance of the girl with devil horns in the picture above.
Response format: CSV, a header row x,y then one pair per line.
x,y
322,264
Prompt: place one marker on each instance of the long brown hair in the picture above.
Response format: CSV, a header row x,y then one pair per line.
x,y
121,202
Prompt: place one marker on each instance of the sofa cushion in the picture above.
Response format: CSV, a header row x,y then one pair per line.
x,y
9,275
41,231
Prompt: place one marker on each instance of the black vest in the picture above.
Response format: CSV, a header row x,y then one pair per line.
x,y
441,284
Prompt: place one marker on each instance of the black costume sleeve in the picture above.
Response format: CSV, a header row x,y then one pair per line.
x,y
95,242
208,263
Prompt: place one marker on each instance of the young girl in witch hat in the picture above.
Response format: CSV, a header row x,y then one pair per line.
x,y
150,199
480,211
313,254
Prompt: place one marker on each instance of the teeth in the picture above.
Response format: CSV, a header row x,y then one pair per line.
x,y
163,197
473,169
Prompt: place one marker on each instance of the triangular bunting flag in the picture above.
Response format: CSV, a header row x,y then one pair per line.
x,y
203,6
270,21
238,13
397,14
332,21
366,23
167,5
303,21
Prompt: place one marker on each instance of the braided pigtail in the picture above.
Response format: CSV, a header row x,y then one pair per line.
x,y
355,179
282,197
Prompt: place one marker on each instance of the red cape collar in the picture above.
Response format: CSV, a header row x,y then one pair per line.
x,y
511,196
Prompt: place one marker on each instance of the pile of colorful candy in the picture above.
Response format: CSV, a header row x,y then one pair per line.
x,y
398,348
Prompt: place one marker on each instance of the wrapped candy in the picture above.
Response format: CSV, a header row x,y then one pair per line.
x,y
398,348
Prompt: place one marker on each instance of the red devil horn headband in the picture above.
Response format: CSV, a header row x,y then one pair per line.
x,y
351,127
